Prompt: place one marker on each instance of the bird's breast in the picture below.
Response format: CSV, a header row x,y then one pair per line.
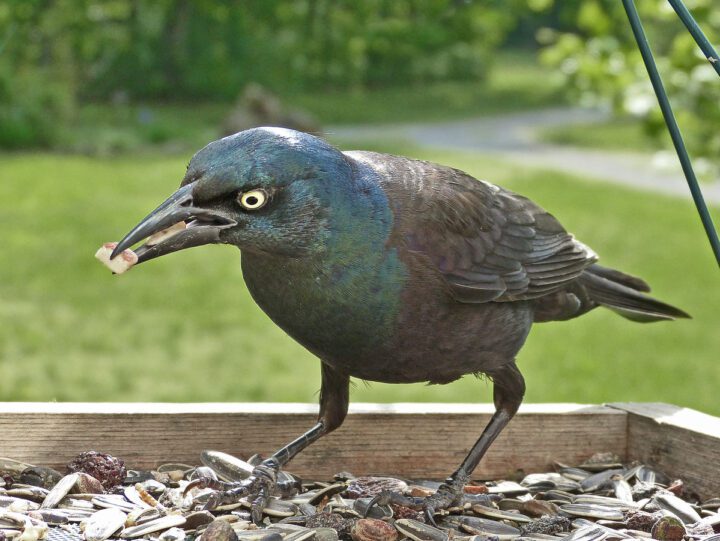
x,y
381,322
338,309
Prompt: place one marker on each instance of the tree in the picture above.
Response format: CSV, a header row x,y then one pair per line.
x,y
594,49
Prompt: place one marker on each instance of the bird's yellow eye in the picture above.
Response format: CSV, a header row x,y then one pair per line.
x,y
253,200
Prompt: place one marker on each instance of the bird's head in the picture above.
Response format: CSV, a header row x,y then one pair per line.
x,y
266,190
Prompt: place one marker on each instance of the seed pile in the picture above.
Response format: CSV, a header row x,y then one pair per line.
x,y
98,499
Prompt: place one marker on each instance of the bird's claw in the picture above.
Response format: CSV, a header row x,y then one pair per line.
x,y
447,494
264,479
387,497
257,488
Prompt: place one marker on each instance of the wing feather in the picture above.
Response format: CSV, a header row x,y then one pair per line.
x,y
488,243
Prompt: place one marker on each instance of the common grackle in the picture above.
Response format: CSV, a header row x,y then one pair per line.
x,y
388,269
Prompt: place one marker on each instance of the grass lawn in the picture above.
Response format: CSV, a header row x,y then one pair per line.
x,y
516,81
104,129
614,134
183,328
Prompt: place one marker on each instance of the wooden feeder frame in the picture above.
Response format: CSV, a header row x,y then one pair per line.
x,y
421,441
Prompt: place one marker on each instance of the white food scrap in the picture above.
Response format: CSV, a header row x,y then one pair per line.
x,y
122,263
160,236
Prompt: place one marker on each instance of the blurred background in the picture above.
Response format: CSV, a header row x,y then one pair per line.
x,y
103,102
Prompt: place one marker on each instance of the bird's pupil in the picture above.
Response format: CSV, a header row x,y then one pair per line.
x,y
252,200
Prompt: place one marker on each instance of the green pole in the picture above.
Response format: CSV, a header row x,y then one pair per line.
x,y
672,125
700,38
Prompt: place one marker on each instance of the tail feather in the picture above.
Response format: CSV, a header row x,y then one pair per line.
x,y
623,294
613,275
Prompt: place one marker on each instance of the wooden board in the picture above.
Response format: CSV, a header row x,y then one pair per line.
x,y
409,440
681,442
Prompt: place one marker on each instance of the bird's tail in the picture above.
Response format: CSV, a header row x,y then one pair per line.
x,y
623,294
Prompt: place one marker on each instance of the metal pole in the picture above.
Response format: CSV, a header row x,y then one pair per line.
x,y
700,38
675,134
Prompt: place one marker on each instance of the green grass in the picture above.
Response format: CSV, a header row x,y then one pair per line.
x,y
183,328
625,134
104,129
516,82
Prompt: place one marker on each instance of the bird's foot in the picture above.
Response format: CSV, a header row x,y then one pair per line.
x,y
257,489
448,494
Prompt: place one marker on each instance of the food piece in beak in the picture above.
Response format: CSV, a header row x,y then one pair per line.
x,y
175,225
122,263
160,236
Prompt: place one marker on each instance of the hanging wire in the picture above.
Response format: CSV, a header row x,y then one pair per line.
x,y
692,26
667,111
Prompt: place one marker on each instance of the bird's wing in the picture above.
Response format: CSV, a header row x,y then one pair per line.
x,y
490,244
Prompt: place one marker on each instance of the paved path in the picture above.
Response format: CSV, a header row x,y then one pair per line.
x,y
515,137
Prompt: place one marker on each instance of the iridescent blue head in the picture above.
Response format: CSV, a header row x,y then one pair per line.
x,y
267,190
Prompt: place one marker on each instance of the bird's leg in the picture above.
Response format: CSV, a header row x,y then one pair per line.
x,y
334,397
508,391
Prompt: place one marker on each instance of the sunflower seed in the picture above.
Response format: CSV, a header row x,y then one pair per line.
x,y
103,524
325,534
574,474
227,467
603,500
53,517
509,488
17,504
276,508
481,526
677,507
13,466
302,535
157,525
326,492
259,535
622,489
113,500
35,494
499,514
173,534
59,491
592,511
599,480
418,531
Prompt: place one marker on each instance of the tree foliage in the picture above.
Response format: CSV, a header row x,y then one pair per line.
x,y
57,53
211,48
594,49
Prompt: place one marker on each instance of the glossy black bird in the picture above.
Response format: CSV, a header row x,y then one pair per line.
x,y
388,269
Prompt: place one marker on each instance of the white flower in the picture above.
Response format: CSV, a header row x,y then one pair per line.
x,y
639,99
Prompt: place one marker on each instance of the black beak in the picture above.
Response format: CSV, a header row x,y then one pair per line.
x,y
202,226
